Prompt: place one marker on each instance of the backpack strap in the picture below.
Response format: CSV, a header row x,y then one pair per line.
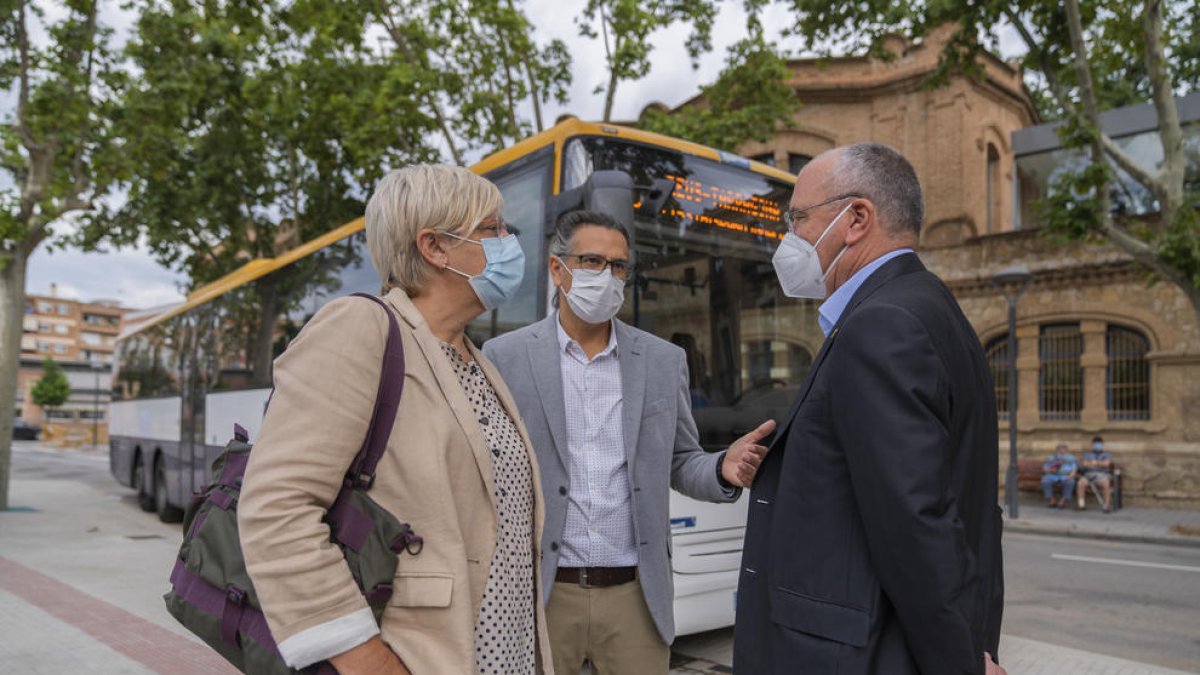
x,y
361,473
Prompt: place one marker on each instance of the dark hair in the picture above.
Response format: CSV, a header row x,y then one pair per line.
x,y
1097,439
880,173
570,222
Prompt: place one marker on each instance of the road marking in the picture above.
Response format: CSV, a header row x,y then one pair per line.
x,y
1127,563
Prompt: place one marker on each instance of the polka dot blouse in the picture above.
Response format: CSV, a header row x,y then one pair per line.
x,y
505,640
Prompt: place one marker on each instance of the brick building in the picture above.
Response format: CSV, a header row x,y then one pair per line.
x,y
1100,351
81,336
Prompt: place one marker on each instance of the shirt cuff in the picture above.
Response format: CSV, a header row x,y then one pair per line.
x,y
729,489
329,639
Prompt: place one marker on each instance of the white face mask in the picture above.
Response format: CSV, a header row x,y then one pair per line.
x,y
595,297
799,267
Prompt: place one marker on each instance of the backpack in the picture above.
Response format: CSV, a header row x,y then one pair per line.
x,y
211,593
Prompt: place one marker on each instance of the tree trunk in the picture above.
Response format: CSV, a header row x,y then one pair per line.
x,y
261,355
12,314
608,98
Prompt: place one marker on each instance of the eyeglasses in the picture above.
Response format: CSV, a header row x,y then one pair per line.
x,y
621,269
793,217
492,227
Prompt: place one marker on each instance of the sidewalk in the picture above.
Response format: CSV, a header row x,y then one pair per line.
x,y
1019,656
82,572
1131,524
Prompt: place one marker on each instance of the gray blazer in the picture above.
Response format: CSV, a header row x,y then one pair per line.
x,y
661,443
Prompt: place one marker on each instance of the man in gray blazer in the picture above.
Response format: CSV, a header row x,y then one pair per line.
x,y
608,409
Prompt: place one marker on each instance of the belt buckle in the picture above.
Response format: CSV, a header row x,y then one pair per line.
x,y
583,578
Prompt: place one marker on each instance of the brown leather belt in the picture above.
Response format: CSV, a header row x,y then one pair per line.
x,y
596,577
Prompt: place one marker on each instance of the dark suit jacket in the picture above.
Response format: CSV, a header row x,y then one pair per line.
x,y
873,541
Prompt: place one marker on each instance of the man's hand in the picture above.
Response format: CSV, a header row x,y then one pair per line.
x,y
372,657
744,456
990,667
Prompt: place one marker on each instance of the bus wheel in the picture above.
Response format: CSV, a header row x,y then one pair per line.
x,y
145,498
166,512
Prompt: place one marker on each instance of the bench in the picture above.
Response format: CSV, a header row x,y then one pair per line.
x,y
1029,479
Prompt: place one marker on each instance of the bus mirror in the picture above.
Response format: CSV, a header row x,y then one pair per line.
x,y
649,199
609,192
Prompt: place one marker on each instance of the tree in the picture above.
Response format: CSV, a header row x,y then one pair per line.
x,y
477,63
52,388
626,27
58,154
255,126
1083,56
749,100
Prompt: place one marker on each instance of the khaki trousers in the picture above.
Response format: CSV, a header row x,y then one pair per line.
x,y
610,627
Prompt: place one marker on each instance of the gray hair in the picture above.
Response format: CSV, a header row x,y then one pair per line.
x,y
434,196
570,222
881,174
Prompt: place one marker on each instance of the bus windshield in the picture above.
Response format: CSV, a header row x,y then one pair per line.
x,y
706,283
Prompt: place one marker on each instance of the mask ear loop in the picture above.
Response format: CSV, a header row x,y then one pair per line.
x,y
838,257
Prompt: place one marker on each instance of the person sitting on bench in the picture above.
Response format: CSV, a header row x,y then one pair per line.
x,y
1097,468
1059,470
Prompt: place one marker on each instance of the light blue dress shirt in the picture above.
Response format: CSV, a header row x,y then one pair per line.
x,y
831,310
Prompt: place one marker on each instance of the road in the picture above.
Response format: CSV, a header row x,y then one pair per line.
x,y
1132,601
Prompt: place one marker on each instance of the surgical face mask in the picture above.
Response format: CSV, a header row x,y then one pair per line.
x,y
799,267
501,276
1098,447
595,297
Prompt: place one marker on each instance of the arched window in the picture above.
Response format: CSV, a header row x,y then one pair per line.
x,y
1060,375
1127,390
799,363
994,189
997,356
797,161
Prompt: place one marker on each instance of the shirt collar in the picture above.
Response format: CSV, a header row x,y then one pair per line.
x,y
565,341
831,310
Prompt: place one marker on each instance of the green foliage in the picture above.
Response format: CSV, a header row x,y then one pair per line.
x,y
1072,210
749,100
626,27
58,149
1116,44
52,389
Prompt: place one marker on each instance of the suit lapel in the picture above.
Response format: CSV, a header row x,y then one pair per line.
x,y
448,383
545,362
633,385
898,266
808,384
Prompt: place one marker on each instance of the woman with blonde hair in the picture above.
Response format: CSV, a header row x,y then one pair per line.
x,y
458,468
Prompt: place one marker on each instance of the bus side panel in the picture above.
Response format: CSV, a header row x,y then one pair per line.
x,y
152,425
706,543
224,409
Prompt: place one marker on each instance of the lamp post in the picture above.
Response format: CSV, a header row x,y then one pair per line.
x,y
1013,281
96,368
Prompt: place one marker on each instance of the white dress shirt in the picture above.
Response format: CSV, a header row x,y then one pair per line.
x,y
599,527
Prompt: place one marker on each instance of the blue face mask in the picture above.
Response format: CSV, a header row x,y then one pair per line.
x,y
1098,447
501,276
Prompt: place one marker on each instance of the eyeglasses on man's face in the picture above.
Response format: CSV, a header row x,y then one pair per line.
x,y
594,262
794,218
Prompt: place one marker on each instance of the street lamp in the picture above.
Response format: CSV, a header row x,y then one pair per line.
x,y
1013,282
96,368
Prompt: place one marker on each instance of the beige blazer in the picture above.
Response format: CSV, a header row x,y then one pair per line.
x,y
436,475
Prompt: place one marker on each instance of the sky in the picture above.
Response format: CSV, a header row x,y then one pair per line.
x,y
136,280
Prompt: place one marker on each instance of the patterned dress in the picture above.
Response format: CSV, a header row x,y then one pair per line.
x,y
505,631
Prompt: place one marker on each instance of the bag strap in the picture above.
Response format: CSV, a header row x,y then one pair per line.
x,y
361,473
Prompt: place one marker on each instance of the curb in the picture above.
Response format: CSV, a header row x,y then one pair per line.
x,y
1040,530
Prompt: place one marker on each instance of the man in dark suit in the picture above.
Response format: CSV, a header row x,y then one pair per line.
x,y
873,542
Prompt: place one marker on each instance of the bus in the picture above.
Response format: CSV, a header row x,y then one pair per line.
x,y
705,226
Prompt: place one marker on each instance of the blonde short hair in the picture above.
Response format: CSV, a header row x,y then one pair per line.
x,y
435,196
